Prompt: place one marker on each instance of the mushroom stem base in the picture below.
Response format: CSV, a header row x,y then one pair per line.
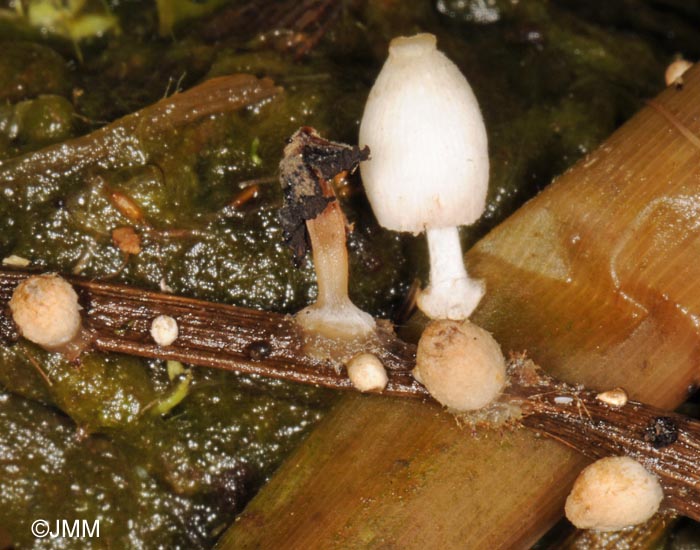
x,y
343,320
451,294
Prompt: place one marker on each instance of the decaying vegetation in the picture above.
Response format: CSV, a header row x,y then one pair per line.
x,y
180,450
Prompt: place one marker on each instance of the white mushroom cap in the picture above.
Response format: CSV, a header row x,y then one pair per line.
x,y
613,493
164,330
46,311
460,364
367,373
429,164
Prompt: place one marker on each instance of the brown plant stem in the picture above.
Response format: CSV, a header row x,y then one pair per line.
x,y
268,344
290,26
666,443
119,317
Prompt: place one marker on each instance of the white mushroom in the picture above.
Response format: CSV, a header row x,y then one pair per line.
x,y
460,364
46,311
164,330
613,493
675,71
15,261
429,169
367,373
614,398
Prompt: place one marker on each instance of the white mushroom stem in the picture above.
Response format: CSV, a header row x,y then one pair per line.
x,y
327,234
333,315
451,293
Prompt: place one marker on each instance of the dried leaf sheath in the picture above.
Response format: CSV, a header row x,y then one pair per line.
x,y
667,444
212,335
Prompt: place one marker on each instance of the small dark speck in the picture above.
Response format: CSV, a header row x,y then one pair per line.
x,y
83,298
259,350
661,432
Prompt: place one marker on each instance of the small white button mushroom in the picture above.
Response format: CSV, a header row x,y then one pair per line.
x,y
563,400
164,330
15,261
46,311
460,364
367,373
614,398
429,166
613,493
675,71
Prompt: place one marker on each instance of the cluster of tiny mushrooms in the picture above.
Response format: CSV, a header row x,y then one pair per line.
x,y
428,171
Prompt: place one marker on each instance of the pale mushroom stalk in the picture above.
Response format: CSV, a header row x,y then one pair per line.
x,y
333,314
452,294
309,165
327,235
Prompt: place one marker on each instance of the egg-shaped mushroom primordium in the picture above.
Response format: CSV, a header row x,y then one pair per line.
x,y
164,330
46,311
429,166
675,71
367,373
460,364
613,493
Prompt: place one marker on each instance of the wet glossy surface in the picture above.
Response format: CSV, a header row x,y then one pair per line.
x,y
551,84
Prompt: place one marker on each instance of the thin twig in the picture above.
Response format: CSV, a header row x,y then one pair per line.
x,y
38,368
291,25
214,335
666,443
